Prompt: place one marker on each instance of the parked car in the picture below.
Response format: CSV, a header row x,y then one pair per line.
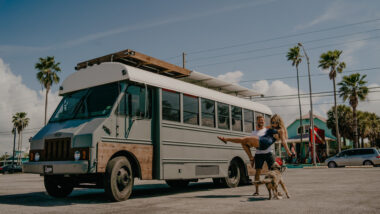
x,y
355,157
8,169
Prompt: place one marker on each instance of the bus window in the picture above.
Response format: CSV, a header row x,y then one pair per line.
x,y
170,106
136,103
248,121
190,110
208,112
236,118
223,116
267,120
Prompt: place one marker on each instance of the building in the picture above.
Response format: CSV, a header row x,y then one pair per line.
x,y
325,148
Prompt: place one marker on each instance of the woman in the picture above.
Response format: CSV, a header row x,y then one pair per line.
x,y
277,131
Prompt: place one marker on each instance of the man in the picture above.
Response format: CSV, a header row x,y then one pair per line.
x,y
261,156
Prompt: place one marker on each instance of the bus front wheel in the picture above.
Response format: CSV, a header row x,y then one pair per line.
x,y
58,186
118,180
234,173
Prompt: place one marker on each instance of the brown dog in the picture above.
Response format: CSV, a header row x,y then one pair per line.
x,y
272,179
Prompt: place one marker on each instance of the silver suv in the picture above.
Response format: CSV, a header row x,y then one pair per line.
x,y
355,157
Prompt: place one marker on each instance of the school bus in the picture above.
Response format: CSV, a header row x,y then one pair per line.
x,y
128,115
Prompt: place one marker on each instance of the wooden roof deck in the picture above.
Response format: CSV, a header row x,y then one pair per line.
x,y
139,60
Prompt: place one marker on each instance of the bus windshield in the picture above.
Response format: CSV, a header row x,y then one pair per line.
x,y
87,103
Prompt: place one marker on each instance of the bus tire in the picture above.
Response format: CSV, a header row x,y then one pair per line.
x,y
234,173
118,182
57,186
177,183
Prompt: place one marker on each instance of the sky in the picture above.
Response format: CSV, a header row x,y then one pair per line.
x,y
239,41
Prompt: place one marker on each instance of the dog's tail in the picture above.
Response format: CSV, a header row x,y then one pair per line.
x,y
265,181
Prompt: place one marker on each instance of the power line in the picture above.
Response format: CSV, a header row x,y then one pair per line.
x,y
295,96
283,37
292,77
280,46
27,130
283,53
321,92
374,100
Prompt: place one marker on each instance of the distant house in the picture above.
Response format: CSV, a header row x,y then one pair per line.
x,y
327,148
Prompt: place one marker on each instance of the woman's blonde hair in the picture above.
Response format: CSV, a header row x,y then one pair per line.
x,y
277,119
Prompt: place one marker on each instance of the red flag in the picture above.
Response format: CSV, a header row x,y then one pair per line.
x,y
319,135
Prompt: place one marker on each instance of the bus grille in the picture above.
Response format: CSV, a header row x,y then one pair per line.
x,y
58,149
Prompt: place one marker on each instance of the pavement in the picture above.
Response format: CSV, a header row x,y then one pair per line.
x,y
339,190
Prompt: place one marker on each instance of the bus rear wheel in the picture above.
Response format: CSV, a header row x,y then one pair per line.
x,y
178,183
58,186
234,173
118,181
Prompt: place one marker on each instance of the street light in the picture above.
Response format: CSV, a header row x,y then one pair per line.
x,y
311,105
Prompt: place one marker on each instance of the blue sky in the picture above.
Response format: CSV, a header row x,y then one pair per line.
x,y
253,37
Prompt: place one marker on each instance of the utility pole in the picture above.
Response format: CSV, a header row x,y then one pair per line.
x,y
311,117
183,60
14,147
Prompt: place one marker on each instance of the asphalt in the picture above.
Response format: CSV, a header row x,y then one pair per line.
x,y
342,190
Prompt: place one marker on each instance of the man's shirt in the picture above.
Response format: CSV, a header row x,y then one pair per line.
x,y
260,133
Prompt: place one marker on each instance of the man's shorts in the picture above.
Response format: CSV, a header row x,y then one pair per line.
x,y
261,158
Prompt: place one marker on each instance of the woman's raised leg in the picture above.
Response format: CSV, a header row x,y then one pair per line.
x,y
251,141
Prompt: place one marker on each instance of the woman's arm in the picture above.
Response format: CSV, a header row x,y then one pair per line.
x,y
284,142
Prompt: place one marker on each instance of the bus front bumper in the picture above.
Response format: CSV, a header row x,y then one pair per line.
x,y
56,167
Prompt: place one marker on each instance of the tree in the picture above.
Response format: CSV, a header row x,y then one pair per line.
x,y
345,125
374,123
364,128
330,60
47,75
353,88
295,56
20,121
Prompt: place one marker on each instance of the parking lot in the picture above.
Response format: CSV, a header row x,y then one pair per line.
x,y
342,190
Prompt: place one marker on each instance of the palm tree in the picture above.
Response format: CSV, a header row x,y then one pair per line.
x,y
374,124
330,60
20,121
47,75
345,118
364,127
295,56
353,88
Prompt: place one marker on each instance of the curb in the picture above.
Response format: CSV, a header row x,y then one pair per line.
x,y
365,166
315,167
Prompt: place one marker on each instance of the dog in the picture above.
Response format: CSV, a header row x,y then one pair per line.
x,y
274,178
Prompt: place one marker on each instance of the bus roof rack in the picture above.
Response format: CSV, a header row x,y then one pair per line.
x,y
139,60
148,63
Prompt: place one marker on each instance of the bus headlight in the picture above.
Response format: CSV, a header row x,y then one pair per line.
x,y
37,156
76,155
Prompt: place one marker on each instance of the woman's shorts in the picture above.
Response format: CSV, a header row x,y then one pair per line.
x,y
265,142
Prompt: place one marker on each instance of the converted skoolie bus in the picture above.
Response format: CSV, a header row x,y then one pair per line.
x,y
127,115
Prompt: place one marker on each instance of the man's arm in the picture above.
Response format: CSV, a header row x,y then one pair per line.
x,y
283,142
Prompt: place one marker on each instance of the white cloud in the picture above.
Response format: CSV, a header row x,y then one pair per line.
x,y
373,101
233,77
287,108
349,50
15,96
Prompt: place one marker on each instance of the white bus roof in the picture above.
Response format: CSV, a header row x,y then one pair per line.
x,y
109,72
211,82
